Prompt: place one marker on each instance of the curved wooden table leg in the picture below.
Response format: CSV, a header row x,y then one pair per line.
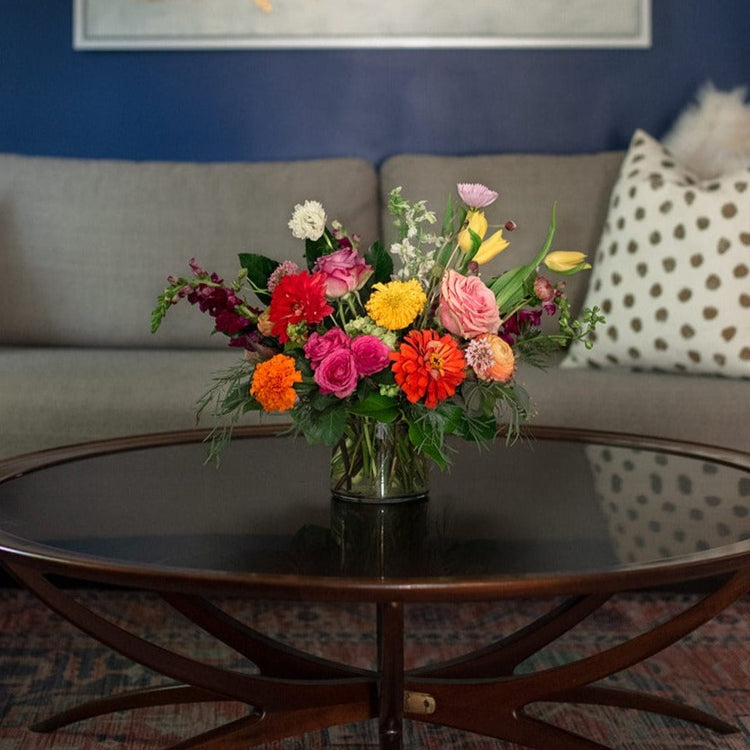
x,y
158,696
277,700
602,696
260,729
502,657
272,658
495,706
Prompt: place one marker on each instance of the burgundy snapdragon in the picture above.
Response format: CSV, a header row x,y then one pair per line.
x,y
211,296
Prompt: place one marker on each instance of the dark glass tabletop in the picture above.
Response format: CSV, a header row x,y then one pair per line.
x,y
558,503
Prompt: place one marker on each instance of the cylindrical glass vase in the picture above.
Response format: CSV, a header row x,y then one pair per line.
x,y
376,462
380,539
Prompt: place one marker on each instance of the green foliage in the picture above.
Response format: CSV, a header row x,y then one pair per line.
x,y
324,426
164,301
227,399
258,268
315,248
381,261
377,406
511,289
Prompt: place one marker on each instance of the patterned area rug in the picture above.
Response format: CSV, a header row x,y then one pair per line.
x,y
46,665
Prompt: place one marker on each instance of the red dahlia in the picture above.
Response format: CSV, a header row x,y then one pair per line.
x,y
298,298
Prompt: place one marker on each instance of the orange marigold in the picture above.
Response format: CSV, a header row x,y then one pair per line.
x,y
428,365
273,383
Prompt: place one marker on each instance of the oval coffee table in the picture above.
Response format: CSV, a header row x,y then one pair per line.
x,y
564,513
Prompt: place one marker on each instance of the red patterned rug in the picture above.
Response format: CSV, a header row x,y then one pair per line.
x,y
46,665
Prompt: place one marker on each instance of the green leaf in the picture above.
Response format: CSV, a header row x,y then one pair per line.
x,y
478,429
451,415
326,427
427,437
509,288
315,248
377,406
449,217
258,268
381,261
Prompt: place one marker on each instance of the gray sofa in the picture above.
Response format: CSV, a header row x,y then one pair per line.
x,y
85,247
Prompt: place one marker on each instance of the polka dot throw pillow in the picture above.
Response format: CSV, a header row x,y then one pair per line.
x,y
671,270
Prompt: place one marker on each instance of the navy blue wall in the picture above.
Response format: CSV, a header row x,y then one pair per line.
x,y
269,105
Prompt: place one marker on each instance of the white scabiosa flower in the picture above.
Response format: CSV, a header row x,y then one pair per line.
x,y
308,221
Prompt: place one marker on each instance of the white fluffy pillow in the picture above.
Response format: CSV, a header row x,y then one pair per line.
x,y
671,270
712,136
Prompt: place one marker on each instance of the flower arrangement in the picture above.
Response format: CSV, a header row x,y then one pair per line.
x,y
412,336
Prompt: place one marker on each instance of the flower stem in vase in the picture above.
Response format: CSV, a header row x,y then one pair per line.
x,y
376,462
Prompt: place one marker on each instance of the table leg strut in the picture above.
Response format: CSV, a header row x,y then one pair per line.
x,y
474,700
295,692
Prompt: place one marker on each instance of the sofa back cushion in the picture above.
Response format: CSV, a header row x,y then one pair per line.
x,y
86,245
529,185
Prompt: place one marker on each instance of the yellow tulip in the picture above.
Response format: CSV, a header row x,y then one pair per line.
x,y
491,247
566,261
475,222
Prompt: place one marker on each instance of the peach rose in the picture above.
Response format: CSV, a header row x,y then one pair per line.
x,y
467,307
264,322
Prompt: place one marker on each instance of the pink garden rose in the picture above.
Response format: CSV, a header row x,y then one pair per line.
x,y
345,272
337,373
318,346
467,306
371,355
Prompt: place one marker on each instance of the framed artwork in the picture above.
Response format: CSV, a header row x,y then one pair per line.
x,y
324,24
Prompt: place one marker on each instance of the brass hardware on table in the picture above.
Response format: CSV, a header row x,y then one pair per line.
x,y
418,703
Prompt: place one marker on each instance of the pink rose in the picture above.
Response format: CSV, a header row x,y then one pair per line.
x,y
345,272
318,346
371,355
337,373
467,306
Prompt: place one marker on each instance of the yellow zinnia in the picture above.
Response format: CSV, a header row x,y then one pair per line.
x,y
396,304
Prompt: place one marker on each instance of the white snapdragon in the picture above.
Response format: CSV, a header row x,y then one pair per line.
x,y
415,262
416,246
308,221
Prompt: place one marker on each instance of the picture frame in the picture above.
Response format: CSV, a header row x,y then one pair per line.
x,y
385,24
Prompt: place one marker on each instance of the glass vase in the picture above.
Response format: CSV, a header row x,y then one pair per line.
x,y
380,539
376,462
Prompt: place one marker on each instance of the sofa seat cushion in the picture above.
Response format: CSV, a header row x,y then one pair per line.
x,y
105,393
58,396
86,245
692,408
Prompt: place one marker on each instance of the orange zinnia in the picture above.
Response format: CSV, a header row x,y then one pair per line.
x,y
428,365
273,383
